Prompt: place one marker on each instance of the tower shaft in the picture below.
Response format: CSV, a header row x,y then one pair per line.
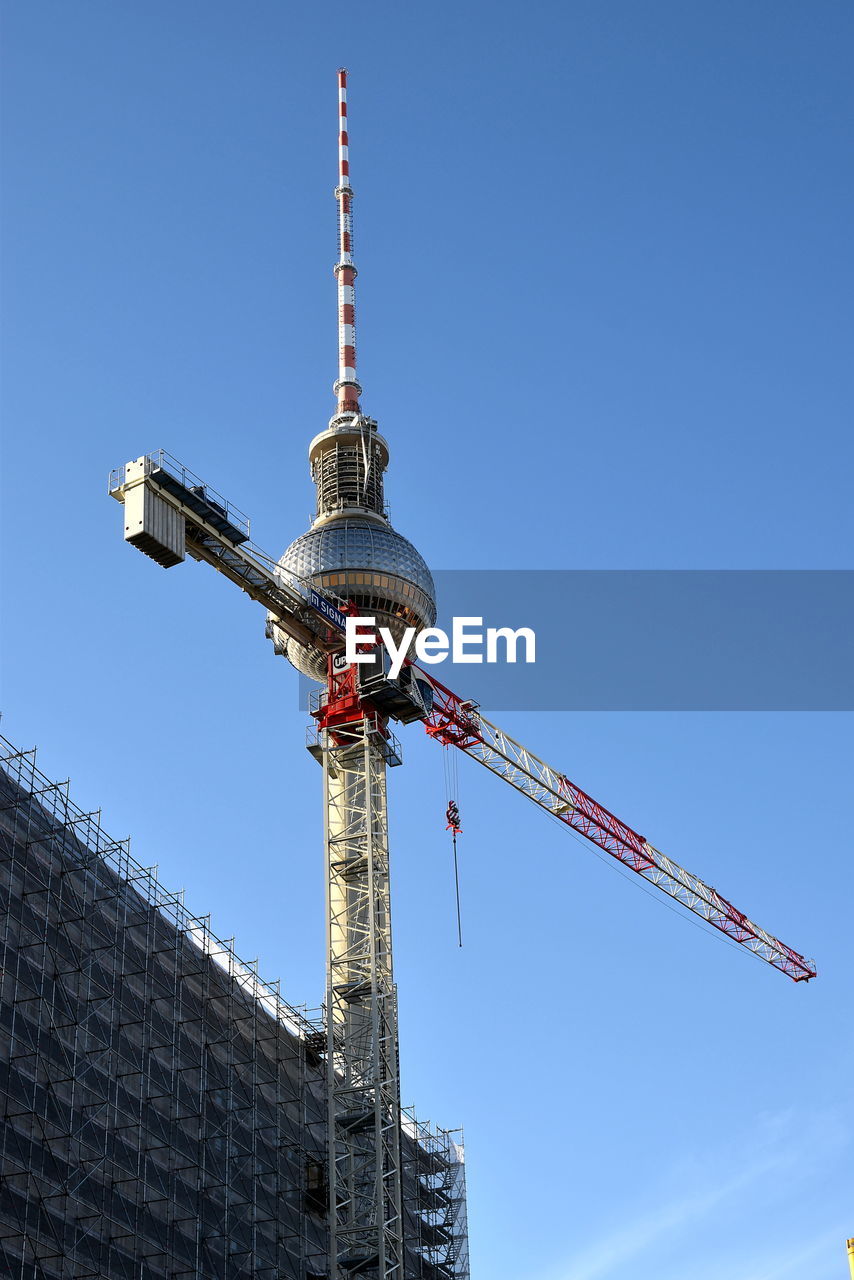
x,y
355,552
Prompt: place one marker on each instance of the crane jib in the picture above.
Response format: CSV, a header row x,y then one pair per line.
x,y
459,723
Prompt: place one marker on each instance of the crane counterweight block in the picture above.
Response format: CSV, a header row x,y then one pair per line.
x,y
152,525
170,513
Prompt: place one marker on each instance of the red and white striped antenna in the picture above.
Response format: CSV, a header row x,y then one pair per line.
x,y
346,387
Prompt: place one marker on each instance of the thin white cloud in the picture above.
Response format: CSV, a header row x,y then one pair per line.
x,y
605,1257
787,1146
830,1245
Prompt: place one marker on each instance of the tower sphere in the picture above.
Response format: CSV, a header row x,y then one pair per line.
x,y
351,550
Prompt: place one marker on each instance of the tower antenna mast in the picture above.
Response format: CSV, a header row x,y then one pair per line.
x,y
347,388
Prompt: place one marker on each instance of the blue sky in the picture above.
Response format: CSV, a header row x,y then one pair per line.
x,y
604,319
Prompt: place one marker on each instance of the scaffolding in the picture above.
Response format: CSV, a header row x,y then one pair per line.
x,y
437,1226
164,1107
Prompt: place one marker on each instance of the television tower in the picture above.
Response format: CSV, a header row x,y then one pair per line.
x,y
352,560
352,551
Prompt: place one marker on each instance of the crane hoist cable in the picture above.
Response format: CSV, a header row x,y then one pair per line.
x,y
452,819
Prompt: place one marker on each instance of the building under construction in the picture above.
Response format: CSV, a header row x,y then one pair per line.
x,y
164,1108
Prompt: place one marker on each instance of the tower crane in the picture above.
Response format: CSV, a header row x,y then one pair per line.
x,y
352,560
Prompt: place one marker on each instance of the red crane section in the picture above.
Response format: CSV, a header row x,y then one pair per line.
x,y
456,722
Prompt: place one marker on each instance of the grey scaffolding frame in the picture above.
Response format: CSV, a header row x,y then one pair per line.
x,y
163,1110
164,1107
